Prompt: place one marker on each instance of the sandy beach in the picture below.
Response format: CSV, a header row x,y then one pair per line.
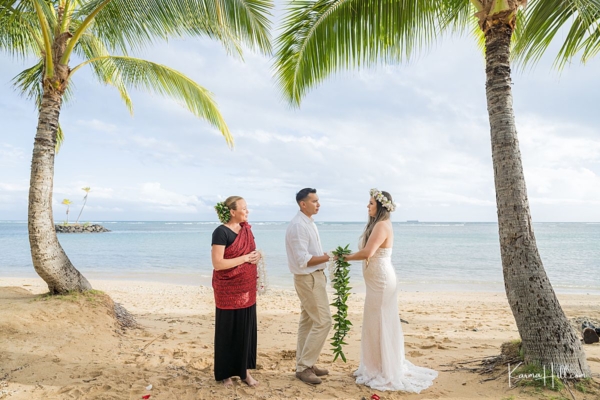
x,y
73,348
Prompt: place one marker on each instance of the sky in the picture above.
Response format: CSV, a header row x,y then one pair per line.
x,y
419,131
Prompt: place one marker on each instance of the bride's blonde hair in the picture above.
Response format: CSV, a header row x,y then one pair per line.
x,y
382,215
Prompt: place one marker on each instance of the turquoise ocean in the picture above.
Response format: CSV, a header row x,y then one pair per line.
x,y
428,256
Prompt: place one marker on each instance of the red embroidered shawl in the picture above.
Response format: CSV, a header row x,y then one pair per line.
x,y
235,288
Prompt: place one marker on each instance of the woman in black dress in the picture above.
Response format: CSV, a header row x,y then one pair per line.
x,y
234,259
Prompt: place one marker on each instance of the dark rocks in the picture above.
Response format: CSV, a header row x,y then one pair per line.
x,y
78,228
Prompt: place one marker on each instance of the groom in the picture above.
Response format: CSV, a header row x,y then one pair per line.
x,y
307,261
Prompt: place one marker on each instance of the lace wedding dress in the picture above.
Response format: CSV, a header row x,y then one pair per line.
x,y
382,362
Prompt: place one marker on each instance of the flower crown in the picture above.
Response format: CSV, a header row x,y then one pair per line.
x,y
380,197
223,212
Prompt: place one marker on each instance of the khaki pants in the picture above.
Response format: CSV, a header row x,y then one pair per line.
x,y
315,318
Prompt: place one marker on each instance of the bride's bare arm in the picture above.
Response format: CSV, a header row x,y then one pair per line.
x,y
380,233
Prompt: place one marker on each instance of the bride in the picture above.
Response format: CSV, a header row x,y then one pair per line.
x,y
382,362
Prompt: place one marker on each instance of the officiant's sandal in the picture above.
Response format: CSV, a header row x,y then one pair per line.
x,y
308,376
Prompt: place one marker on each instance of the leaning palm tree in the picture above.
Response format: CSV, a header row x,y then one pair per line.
x,y
324,36
100,34
67,203
87,191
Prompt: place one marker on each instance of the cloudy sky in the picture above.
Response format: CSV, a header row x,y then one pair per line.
x,y
419,131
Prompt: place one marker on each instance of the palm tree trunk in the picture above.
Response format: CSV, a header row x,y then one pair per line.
x,y
547,336
49,259
84,202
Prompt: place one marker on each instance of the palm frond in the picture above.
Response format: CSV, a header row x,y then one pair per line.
x,y
142,74
19,31
456,15
325,36
60,139
90,47
545,19
132,24
29,84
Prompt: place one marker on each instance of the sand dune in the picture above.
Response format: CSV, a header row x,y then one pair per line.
x,y
73,349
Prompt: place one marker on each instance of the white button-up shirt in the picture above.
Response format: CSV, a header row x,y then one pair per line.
x,y
302,242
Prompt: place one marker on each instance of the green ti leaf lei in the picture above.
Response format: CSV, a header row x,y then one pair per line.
x,y
341,278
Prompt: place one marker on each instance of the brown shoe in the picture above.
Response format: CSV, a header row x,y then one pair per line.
x,y
308,376
319,371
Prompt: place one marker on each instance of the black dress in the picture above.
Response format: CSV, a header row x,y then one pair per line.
x,y
235,330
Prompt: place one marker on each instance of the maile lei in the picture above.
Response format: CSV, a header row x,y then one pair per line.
x,y
339,275
261,281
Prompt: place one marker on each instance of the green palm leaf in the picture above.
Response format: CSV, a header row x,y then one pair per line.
x,y
142,74
60,138
19,35
132,24
324,36
90,47
544,20
29,83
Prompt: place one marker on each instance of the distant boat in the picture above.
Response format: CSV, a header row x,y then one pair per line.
x,y
413,220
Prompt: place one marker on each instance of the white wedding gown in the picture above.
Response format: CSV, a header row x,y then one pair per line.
x,y
382,362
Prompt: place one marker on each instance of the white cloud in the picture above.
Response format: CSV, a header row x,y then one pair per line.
x,y
13,187
97,125
11,156
419,131
561,161
157,197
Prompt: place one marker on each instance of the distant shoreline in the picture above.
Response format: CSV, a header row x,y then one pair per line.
x,y
203,280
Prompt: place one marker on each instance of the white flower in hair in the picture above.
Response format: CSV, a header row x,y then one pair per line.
x,y
380,197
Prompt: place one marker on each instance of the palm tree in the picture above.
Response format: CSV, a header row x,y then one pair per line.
x,y
87,191
101,34
324,36
67,203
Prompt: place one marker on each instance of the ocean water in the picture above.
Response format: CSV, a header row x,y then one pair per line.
x,y
427,256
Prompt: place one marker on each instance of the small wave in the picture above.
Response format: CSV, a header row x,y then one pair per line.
x,y
425,224
171,223
187,223
208,223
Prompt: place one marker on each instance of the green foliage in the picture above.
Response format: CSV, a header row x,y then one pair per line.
x,y
322,37
533,376
575,23
585,385
92,296
341,325
99,28
512,350
223,212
